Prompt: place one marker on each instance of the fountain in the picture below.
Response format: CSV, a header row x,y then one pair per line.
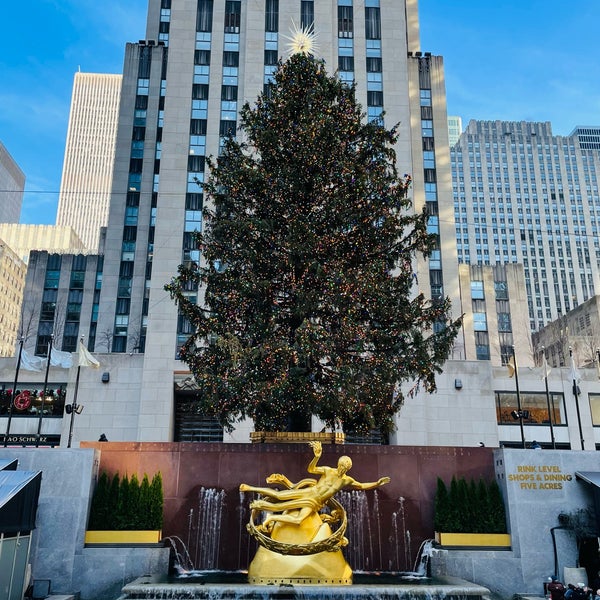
x,y
301,530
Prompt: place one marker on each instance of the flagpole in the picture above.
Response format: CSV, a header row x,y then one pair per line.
x,y
576,394
37,439
74,405
14,392
545,367
519,398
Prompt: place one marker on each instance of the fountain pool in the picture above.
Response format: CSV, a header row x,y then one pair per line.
x,y
215,585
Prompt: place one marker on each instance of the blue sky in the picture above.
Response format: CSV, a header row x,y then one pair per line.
x,y
509,60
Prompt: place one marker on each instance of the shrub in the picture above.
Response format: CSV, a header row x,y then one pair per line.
x,y
470,507
127,504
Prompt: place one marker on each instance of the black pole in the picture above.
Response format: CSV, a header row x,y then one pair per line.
x,y
545,367
73,408
14,392
576,394
518,398
37,439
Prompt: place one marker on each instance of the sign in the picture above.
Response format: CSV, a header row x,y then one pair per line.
x,y
30,439
539,477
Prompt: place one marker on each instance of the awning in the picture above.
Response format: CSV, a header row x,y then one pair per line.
x,y
593,478
19,494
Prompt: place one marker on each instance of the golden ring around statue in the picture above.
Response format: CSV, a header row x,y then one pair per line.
x,y
334,542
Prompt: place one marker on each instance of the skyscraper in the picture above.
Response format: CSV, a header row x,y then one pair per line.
x,y
89,154
182,90
454,129
12,184
524,195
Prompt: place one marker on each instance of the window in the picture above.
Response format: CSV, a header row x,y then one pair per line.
x,y
536,403
477,290
504,323
272,15
307,14
595,409
372,23
479,321
204,15
346,63
345,21
501,289
233,10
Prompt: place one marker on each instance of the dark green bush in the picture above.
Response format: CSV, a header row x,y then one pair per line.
x,y
469,507
127,504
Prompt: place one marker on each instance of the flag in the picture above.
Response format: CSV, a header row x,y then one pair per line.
x,y
85,358
510,365
64,360
574,373
546,369
30,362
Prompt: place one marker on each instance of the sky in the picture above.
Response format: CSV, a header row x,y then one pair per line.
x,y
532,60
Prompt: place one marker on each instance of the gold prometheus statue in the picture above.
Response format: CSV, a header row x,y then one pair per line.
x,y
297,543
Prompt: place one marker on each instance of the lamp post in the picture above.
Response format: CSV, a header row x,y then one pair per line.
x,y
75,408
574,377
14,392
518,399
545,370
39,431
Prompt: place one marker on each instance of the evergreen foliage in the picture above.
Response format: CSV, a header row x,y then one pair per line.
x,y
127,504
99,511
307,273
469,507
441,506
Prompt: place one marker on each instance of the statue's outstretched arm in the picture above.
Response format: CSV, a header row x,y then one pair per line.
x,y
357,485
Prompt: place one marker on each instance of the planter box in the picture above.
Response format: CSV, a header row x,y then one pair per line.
x,y
474,540
296,437
122,538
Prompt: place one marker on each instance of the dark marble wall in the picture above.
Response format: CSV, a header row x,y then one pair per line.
x,y
204,508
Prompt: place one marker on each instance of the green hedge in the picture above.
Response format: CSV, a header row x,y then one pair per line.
x,y
469,507
126,504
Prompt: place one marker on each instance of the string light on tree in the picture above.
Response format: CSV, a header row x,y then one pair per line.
x,y
313,311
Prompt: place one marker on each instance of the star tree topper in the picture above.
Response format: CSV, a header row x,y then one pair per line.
x,y
302,40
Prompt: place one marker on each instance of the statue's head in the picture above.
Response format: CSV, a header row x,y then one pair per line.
x,y
344,464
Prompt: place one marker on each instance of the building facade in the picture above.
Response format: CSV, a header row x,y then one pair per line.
x,y
24,238
12,283
89,155
495,319
62,294
524,195
576,334
454,129
12,185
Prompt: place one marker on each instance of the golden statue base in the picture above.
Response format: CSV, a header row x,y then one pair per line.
x,y
322,568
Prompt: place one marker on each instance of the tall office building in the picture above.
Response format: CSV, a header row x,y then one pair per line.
x,y
182,91
454,129
524,195
12,184
89,154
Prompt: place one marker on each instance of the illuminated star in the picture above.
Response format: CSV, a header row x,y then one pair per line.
x,y
302,40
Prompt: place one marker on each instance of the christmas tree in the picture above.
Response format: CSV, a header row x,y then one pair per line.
x,y
307,267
